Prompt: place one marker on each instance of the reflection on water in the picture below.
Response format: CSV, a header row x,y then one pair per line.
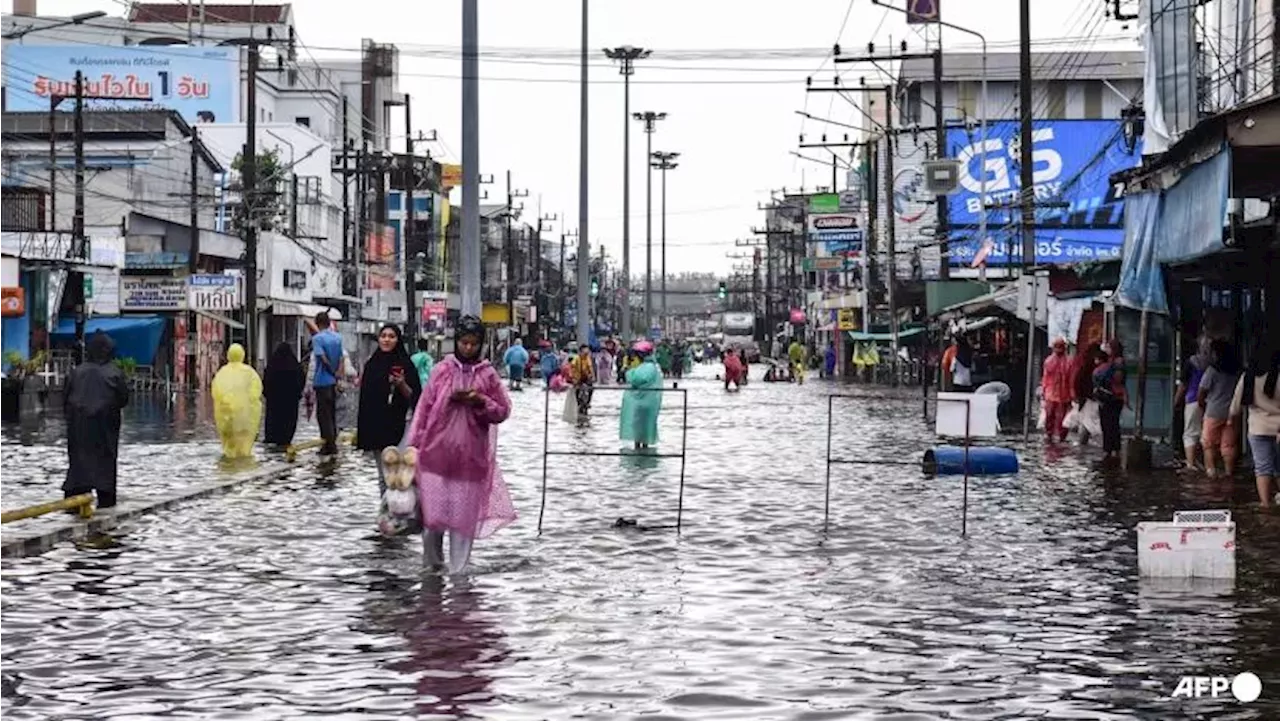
x,y
279,600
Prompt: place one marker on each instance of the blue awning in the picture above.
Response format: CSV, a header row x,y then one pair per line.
x,y
136,336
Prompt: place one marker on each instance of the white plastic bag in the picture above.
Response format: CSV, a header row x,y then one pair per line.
x,y
570,407
1040,423
1072,421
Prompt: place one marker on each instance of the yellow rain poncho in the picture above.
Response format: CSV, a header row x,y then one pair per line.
x,y
237,404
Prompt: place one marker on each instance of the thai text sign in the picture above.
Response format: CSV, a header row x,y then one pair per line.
x,y
1072,164
152,293
213,292
191,80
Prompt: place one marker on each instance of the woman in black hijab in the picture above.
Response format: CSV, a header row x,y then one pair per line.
x,y
282,385
389,390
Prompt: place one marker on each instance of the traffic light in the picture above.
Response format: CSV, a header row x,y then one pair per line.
x,y
723,290
595,287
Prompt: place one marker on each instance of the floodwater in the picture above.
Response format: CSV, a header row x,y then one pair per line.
x,y
279,601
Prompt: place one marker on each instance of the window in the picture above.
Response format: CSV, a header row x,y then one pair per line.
x,y
1055,100
422,204
395,201
910,109
1093,100
303,120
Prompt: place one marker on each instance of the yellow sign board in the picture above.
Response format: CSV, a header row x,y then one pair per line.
x,y
847,319
495,314
450,176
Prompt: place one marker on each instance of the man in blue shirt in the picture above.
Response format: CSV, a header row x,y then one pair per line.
x,y
327,357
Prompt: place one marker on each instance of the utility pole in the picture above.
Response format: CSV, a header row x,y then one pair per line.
x,y
249,196
650,120
406,232
54,101
873,233
892,232
77,220
469,253
193,255
348,239
664,162
626,56
511,249
1024,100
584,237
940,140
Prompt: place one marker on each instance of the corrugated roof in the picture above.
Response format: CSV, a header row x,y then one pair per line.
x,y
213,13
1003,67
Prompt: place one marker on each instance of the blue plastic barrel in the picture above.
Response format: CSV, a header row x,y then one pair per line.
x,y
983,461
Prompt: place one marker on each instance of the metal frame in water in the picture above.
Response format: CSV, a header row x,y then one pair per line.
x,y
826,506
547,451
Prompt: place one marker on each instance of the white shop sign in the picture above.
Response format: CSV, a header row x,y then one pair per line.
x,y
214,293
162,293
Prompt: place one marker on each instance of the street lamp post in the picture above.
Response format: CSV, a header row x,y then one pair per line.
x,y
664,162
982,119
650,120
626,56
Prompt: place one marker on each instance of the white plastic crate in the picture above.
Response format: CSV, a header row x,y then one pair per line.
x,y
981,409
1196,544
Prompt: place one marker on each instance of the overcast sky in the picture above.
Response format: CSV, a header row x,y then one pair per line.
x,y
731,114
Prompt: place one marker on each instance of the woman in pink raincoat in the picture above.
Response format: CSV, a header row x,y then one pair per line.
x,y
455,429
1055,386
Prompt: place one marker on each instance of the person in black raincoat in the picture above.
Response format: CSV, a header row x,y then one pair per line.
x,y
95,394
389,390
282,384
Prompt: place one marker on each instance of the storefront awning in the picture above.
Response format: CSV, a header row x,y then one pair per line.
x,y
304,310
861,337
137,337
1005,299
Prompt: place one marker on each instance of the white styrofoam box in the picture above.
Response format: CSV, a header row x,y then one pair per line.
x,y
981,408
1196,544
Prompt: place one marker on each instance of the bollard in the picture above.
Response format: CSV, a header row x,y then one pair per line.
x,y
82,503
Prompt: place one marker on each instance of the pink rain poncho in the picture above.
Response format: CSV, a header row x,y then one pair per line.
x,y
460,486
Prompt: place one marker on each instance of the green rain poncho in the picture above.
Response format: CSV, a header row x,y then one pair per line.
x,y
640,407
237,404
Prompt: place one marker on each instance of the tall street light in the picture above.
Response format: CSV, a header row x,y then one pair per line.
x,y
626,56
584,236
650,120
664,162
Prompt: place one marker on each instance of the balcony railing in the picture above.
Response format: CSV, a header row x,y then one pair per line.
x,y
23,209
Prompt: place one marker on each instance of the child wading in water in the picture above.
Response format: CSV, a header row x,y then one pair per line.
x,y
455,429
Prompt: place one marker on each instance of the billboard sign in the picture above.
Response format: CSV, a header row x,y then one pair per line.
x,y
839,231
220,293
824,203
151,292
201,83
1073,161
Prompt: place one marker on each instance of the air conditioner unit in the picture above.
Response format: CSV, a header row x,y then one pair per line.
x,y
941,177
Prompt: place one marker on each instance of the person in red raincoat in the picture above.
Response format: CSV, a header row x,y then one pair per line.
x,y
1056,386
734,370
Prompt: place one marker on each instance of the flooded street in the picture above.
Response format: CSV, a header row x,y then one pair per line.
x,y
278,600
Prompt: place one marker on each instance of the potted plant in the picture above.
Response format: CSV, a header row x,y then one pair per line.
x,y
17,370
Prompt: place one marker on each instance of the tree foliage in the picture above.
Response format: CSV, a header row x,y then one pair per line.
x,y
268,203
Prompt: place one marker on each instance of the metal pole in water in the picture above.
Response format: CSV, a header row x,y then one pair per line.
x,y
964,505
684,454
546,430
469,285
826,504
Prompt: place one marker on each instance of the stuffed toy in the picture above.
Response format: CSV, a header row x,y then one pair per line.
x,y
400,500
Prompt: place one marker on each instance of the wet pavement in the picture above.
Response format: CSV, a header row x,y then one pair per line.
x,y
278,600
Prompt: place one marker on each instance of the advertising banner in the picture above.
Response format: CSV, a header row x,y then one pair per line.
x,y
450,176
1073,161
838,231
824,203
201,83
138,292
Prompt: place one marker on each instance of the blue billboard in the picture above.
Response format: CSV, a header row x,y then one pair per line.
x,y
1073,162
201,83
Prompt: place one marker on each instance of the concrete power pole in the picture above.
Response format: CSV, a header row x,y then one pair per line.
x,y
650,120
469,253
249,196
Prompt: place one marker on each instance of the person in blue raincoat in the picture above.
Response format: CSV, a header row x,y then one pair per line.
x,y
515,359
642,401
549,365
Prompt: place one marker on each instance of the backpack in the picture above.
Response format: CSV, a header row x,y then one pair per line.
x,y
1102,390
